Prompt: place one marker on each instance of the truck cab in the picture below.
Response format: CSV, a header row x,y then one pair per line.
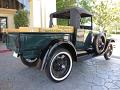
x,y
82,37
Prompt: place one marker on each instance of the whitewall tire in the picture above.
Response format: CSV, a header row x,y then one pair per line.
x,y
59,65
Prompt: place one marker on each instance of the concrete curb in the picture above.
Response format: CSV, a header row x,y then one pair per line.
x,y
4,51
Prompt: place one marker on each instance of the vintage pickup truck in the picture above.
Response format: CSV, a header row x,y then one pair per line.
x,y
57,47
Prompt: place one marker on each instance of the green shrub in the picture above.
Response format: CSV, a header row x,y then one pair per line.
x,y
21,19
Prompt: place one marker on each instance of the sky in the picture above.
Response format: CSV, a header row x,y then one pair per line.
x,y
26,3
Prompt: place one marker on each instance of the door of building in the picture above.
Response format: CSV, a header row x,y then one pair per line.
x,y
3,24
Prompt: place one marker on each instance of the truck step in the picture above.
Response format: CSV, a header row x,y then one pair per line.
x,y
82,53
85,57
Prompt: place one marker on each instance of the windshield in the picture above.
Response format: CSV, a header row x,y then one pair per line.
x,y
86,23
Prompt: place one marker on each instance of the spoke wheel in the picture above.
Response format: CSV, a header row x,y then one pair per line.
x,y
109,52
99,44
60,65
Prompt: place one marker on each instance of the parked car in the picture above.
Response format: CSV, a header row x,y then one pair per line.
x,y
59,46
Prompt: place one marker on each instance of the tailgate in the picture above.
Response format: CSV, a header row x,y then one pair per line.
x,y
12,41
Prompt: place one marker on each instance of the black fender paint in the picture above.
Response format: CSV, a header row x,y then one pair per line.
x,y
65,44
108,41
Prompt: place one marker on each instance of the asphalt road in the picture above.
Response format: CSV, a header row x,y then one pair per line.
x,y
93,74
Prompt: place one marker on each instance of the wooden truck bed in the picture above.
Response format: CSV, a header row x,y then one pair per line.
x,y
56,28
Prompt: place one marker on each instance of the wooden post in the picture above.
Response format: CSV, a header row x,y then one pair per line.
x,y
14,4
9,4
1,3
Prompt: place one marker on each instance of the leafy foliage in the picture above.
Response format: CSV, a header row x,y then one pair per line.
x,y
105,14
64,4
21,19
87,4
101,15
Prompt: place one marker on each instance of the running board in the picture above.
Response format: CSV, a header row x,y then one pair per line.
x,y
84,55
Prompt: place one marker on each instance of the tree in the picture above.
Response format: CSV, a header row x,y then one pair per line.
x,y
116,21
21,19
64,4
105,15
102,15
87,4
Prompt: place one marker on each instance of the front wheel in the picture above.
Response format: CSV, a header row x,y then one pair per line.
x,y
109,52
29,62
59,65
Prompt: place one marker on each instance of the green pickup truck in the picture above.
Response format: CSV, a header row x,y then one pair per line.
x,y
55,51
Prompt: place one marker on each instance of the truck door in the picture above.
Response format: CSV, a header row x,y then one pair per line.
x,y
83,36
80,39
83,39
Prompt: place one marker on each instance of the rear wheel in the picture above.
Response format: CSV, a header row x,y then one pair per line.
x,y
109,52
29,62
59,65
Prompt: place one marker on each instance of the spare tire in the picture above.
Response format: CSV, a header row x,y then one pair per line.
x,y
99,43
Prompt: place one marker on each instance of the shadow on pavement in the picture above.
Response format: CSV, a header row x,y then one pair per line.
x,y
3,48
117,57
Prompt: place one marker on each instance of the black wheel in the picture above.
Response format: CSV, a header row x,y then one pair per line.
x,y
99,43
59,65
109,52
29,62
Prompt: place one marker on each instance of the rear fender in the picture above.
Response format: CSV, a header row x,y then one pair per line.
x,y
67,45
49,46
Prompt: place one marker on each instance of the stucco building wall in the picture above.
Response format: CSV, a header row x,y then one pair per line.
x,y
40,11
9,13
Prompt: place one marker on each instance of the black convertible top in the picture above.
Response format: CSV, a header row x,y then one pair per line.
x,y
67,12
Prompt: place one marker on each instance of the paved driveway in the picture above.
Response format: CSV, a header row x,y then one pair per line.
x,y
93,74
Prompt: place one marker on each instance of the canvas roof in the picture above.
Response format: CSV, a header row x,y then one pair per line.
x,y
66,13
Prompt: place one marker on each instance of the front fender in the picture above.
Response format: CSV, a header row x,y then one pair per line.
x,y
109,41
64,44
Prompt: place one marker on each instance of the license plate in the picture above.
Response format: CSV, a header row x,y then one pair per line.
x,y
15,54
